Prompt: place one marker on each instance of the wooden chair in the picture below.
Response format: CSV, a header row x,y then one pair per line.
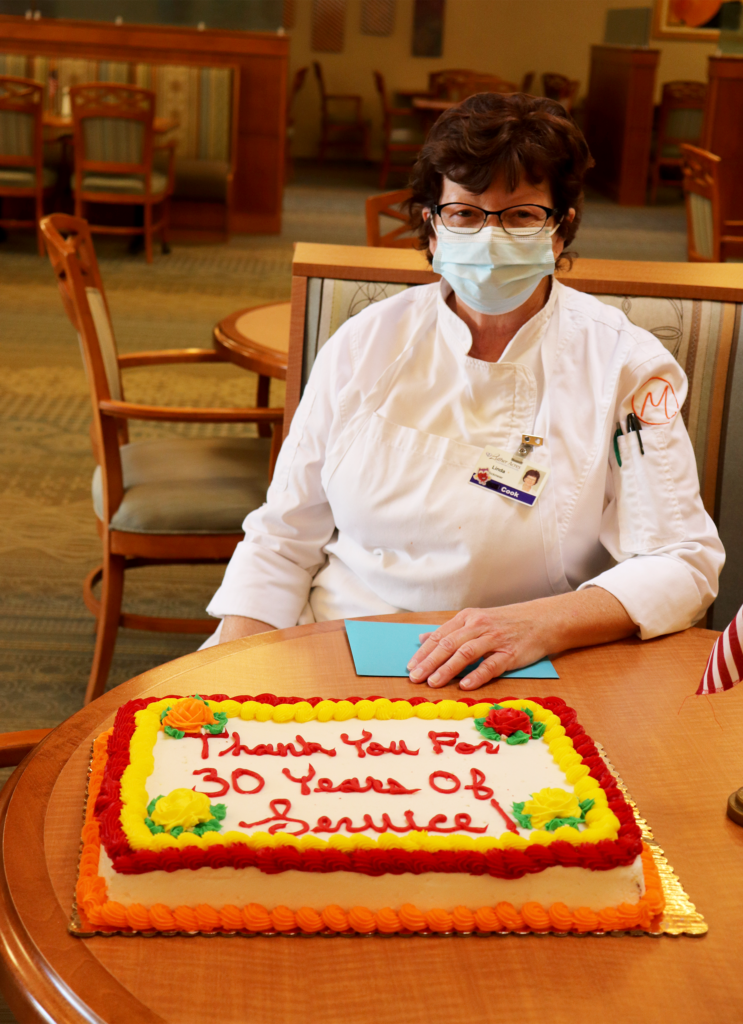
x,y
450,84
297,83
387,205
397,138
491,83
15,745
679,121
558,87
114,149
706,242
176,500
527,81
22,172
342,123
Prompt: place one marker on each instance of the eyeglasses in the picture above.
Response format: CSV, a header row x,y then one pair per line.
x,y
463,219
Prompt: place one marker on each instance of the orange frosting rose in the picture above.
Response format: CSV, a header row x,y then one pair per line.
x,y
189,714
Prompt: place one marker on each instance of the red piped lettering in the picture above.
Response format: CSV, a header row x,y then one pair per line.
x,y
467,748
304,779
280,818
210,776
442,739
239,773
394,788
510,824
444,775
359,744
479,791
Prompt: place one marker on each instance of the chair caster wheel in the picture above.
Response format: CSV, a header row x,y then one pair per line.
x,y
165,249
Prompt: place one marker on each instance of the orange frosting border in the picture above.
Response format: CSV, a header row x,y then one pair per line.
x,y
104,914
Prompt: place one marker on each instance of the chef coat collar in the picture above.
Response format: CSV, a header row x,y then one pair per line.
x,y
459,337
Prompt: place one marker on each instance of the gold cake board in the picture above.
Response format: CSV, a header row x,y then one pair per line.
x,y
680,916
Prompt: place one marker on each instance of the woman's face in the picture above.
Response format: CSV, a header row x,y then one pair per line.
x,y
497,197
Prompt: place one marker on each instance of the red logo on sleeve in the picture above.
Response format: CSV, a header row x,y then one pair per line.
x,y
655,402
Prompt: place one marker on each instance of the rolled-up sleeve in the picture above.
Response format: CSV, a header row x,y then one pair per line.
x,y
270,573
667,551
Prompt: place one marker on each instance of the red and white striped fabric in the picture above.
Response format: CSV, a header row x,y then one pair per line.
x,y
725,666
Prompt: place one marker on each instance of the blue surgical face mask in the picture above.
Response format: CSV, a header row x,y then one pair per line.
x,y
492,271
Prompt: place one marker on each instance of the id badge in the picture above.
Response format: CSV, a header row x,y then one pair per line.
x,y
520,481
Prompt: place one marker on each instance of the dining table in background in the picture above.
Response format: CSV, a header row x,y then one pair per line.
x,y
62,123
257,339
679,756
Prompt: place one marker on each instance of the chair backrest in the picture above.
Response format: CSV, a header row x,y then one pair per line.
x,y
695,312
559,87
70,247
681,115
527,81
491,83
382,90
701,171
21,107
387,205
317,68
299,76
112,129
454,84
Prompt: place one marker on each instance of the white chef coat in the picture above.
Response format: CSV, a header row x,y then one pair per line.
x,y
371,511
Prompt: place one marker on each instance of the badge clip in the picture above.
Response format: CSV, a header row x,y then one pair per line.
x,y
528,443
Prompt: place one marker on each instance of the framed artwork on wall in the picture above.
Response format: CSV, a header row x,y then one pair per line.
x,y
691,20
377,17
428,28
328,25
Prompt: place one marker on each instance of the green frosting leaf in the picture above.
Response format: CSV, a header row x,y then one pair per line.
x,y
538,730
154,829
220,810
517,738
518,812
207,826
219,725
176,831
152,803
164,713
557,822
177,734
585,806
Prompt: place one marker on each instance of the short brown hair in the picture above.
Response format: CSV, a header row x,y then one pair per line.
x,y
511,134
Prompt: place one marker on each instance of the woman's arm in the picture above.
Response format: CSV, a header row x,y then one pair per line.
x,y
517,635
236,626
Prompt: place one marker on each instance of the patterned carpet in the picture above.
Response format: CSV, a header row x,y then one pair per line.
x,y
48,540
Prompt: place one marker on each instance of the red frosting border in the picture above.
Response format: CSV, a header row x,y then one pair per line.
x,y
511,864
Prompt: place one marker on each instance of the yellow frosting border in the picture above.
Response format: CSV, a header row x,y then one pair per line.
x,y
602,822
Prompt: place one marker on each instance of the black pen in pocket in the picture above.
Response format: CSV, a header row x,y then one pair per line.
x,y
634,424
618,433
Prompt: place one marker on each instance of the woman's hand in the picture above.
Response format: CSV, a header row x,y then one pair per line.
x,y
517,635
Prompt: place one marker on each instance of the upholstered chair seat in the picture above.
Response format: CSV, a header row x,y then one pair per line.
x,y
22,177
186,485
126,184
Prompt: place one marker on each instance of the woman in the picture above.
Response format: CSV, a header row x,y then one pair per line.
x,y
373,509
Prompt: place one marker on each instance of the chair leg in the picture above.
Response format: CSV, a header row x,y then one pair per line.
x,y
264,387
148,232
385,168
655,175
39,215
323,141
164,244
108,624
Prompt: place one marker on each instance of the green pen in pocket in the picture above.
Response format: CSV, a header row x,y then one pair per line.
x,y
618,433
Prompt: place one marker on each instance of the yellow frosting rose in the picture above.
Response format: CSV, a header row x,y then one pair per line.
x,y
181,807
551,803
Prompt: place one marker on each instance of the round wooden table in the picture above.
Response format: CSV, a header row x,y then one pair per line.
x,y
256,339
680,759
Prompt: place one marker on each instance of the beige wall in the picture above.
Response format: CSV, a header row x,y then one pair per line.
x,y
504,37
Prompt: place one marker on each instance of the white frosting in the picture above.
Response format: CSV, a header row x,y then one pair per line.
x,y
514,773
219,887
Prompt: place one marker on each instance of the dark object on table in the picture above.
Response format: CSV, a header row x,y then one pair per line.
x,y
735,807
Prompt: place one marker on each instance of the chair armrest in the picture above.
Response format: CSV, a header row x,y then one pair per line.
x,y
182,414
169,355
170,147
403,112
15,745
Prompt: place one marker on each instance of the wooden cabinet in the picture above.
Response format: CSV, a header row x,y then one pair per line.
x,y
619,120
722,133
259,64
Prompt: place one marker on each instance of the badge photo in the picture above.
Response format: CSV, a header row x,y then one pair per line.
x,y
499,471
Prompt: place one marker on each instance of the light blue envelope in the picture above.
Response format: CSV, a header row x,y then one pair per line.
x,y
385,648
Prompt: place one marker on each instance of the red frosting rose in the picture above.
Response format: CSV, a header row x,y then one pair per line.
x,y
508,720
